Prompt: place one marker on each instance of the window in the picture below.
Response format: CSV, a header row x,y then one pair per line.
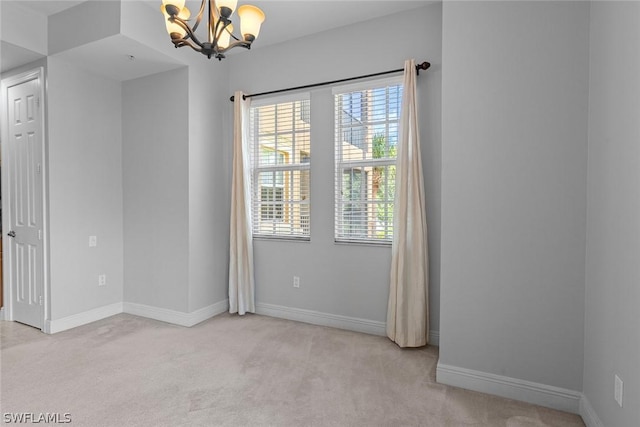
x,y
366,137
281,162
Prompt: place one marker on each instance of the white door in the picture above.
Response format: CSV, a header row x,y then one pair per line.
x,y
22,159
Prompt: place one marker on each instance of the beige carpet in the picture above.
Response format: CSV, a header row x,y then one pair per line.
x,y
239,371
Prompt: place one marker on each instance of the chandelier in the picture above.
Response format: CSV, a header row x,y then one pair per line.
x,y
219,34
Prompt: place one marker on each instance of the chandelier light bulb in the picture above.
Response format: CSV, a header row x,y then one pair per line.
x,y
177,4
251,18
174,27
226,7
185,13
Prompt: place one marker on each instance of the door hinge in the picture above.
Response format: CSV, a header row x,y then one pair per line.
x,y
38,101
39,234
40,299
39,168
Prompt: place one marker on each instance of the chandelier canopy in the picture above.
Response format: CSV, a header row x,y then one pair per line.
x,y
219,33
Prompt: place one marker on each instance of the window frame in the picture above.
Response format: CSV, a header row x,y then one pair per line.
x,y
280,207
340,237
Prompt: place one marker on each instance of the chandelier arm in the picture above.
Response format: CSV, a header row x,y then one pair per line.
x,y
225,25
215,21
199,16
185,42
190,32
215,36
241,43
234,37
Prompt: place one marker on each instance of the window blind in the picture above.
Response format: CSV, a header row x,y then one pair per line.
x,y
366,137
280,145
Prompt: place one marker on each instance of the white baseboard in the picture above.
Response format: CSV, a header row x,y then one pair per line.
x,y
156,313
323,319
189,319
588,414
59,325
355,324
209,311
512,388
2,313
176,317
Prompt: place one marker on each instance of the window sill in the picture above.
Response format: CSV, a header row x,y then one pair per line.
x,y
283,239
384,244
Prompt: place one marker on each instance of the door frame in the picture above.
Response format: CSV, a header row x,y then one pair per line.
x,y
14,80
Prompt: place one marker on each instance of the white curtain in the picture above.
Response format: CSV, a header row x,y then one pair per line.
x,y
407,313
241,279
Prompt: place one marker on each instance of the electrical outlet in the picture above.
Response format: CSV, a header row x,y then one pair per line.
x,y
93,241
296,282
102,280
617,393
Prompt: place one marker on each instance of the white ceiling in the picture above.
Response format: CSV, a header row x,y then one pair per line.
x,y
12,56
285,20
49,7
112,57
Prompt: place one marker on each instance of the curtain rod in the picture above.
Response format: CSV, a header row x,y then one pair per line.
x,y
424,66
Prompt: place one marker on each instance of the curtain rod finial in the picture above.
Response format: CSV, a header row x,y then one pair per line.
x,y
424,66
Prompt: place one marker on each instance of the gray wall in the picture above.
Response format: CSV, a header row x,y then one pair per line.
x,y
152,136
156,194
85,189
176,213
348,280
196,116
612,341
209,207
514,109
